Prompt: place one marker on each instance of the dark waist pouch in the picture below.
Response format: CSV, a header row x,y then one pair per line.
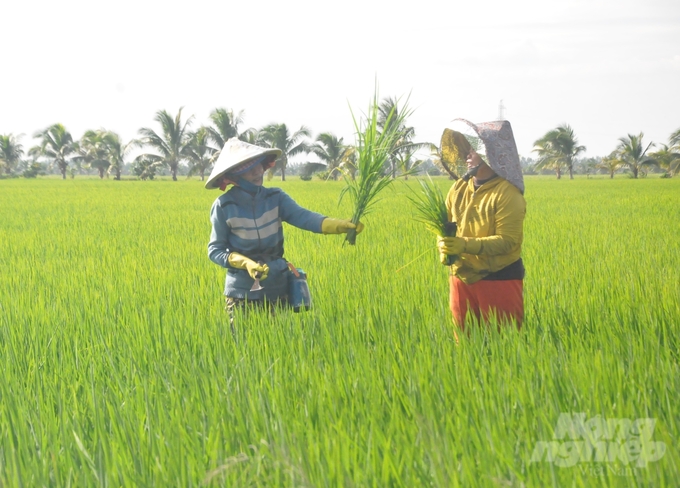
x,y
514,271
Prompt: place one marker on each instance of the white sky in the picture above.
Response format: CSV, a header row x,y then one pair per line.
x,y
606,67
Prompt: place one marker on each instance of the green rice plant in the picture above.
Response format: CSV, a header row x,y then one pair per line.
x,y
430,206
373,149
119,368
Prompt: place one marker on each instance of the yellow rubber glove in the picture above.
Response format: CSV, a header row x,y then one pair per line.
x,y
337,226
255,270
450,246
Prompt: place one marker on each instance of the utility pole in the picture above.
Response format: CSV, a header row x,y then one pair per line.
x,y
501,111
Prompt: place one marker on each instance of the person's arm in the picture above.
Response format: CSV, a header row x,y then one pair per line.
x,y
509,219
510,212
219,252
299,216
218,247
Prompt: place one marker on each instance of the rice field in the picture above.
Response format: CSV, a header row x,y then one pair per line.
x,y
118,367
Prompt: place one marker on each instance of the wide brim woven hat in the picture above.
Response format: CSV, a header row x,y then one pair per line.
x,y
237,155
494,141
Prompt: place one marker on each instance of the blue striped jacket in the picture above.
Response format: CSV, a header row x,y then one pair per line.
x,y
247,220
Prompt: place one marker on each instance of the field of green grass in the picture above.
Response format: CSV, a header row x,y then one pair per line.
x,y
118,367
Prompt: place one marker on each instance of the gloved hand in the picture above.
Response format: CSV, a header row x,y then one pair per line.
x,y
255,270
451,246
337,226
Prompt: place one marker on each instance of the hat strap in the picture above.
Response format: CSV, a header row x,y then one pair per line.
x,y
226,182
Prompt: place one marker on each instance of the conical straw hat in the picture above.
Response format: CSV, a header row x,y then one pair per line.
x,y
494,141
235,154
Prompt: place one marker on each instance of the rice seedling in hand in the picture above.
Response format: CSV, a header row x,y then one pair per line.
x,y
430,206
373,149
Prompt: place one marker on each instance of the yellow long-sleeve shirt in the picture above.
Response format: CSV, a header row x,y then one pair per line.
x,y
490,220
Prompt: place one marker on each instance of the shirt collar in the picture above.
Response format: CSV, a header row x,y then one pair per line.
x,y
247,186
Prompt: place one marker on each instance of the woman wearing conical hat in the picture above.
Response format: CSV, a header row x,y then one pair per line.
x,y
488,206
247,235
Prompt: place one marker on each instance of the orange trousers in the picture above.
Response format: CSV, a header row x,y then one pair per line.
x,y
503,299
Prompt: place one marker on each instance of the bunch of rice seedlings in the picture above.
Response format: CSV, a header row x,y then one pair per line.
x,y
430,206
373,149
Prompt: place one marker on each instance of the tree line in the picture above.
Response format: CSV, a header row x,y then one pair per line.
x,y
558,150
175,147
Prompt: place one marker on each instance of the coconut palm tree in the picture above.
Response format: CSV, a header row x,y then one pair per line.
x,y
251,136
348,165
548,156
674,140
57,147
569,147
11,153
610,164
199,155
225,125
560,148
630,151
145,168
666,159
117,152
170,145
94,152
105,151
389,113
408,164
278,135
331,150
674,147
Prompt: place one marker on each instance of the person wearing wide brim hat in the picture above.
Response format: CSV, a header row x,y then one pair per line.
x,y
488,207
247,234
236,158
